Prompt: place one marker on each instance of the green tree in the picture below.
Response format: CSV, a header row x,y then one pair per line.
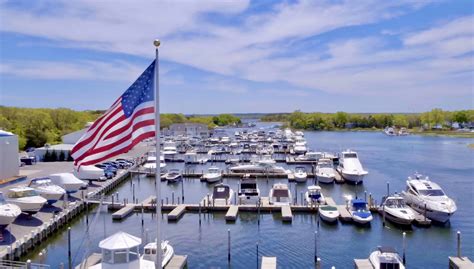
x,y
47,156
61,157
340,119
400,121
54,156
461,116
69,157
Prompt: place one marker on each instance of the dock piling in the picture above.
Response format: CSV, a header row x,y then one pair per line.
x,y
388,189
172,198
425,212
404,247
383,214
315,246
228,245
182,190
257,255
143,222
199,214
133,191
458,244
301,197
69,256
318,263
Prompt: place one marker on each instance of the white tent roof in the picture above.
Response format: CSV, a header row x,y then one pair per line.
x,y
120,240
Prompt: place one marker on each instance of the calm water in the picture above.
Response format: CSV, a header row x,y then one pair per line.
x,y
448,161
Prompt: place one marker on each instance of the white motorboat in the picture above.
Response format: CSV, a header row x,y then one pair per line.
x,y
213,174
8,212
44,187
147,260
232,160
350,167
249,192
26,198
67,181
264,166
169,150
299,148
310,156
173,175
222,194
314,195
300,174
121,251
403,132
360,211
192,157
90,172
422,191
328,213
280,194
386,258
150,163
390,131
325,171
396,210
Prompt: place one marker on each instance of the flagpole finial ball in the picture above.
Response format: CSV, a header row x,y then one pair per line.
x,y
156,42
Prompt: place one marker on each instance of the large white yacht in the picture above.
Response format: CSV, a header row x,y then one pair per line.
x,y
350,167
396,210
26,198
262,166
300,147
421,191
325,171
47,189
280,194
150,163
8,212
249,192
386,257
169,150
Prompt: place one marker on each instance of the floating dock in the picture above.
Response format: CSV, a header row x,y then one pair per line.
x,y
269,263
286,214
177,262
231,214
344,214
177,212
123,212
362,264
460,263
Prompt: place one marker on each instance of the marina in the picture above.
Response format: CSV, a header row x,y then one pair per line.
x,y
129,202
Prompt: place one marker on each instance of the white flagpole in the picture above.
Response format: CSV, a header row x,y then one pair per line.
x,y
158,156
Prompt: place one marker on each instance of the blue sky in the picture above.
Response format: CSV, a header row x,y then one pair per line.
x,y
241,56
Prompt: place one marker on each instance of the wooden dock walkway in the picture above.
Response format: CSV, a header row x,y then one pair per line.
x,y
362,264
268,263
93,259
177,262
344,214
177,212
330,201
286,214
231,214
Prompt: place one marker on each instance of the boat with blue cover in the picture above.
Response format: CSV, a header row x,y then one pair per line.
x,y
360,211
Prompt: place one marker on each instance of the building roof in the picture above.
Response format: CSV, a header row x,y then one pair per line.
x,y
5,133
120,240
63,147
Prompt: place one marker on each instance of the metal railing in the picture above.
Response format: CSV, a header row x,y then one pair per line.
x,y
5,264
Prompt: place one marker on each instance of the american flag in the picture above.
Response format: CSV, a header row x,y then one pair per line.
x,y
127,122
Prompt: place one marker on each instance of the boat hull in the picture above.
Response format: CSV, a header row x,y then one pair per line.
x,y
352,178
325,178
329,215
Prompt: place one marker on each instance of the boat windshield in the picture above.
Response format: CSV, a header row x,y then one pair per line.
x,y
431,192
395,203
325,165
214,170
350,155
248,186
280,193
21,194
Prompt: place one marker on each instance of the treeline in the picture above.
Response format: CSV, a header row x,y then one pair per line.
x,y
37,126
436,118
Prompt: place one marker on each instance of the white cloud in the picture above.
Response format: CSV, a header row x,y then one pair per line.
x,y
260,47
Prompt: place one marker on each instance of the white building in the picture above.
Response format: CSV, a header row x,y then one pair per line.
x,y
188,129
9,157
